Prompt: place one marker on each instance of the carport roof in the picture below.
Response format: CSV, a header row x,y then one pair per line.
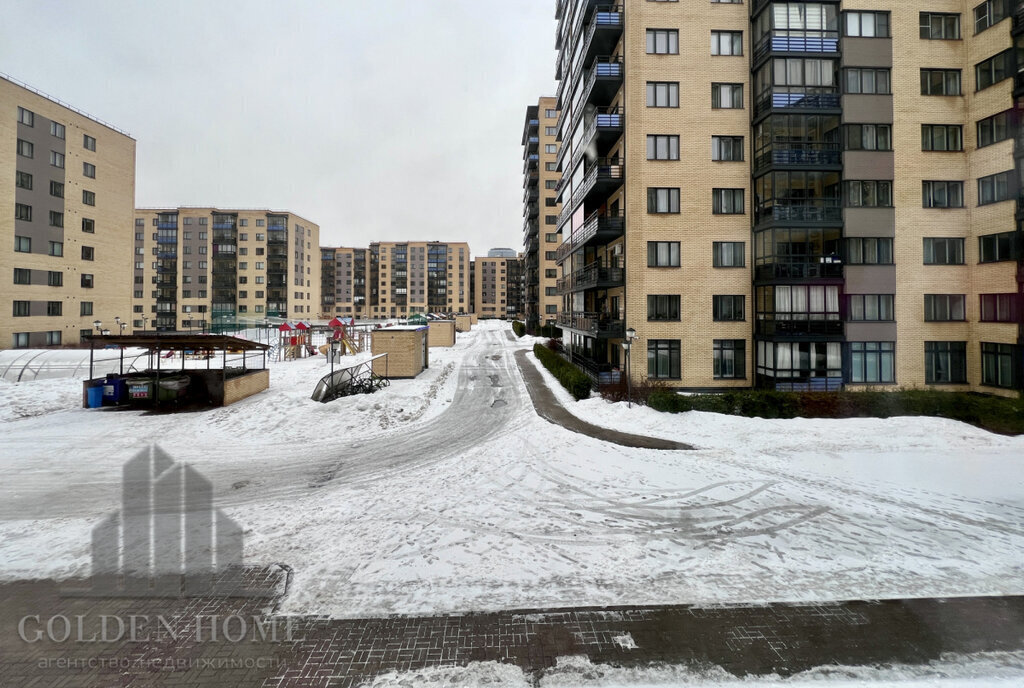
x,y
167,341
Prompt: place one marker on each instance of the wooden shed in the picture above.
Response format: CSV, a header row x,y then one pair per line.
x,y
441,333
463,323
406,348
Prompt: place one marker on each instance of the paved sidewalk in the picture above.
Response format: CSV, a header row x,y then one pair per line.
x,y
550,409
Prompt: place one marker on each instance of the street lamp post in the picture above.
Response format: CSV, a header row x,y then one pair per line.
x,y
334,352
627,345
98,325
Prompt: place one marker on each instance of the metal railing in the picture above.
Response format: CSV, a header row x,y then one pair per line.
x,y
596,275
782,152
592,323
799,210
823,42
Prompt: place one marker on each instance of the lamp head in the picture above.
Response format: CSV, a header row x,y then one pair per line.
x,y
630,333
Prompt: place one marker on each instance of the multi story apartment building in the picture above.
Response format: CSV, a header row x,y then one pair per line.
x,y
737,190
397,279
541,208
68,184
207,268
493,287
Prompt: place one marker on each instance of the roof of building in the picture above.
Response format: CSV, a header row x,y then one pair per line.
x,y
167,341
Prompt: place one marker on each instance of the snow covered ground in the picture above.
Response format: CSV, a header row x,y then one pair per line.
x,y
449,493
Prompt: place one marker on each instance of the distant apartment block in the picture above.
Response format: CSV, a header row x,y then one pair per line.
x,y
67,187
396,279
204,268
541,208
495,285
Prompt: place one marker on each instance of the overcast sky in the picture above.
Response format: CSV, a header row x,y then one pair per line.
x,y
376,119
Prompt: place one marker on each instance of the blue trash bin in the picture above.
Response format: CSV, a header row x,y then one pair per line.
x,y
115,391
95,396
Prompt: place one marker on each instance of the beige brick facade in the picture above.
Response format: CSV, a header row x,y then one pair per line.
x,y
407,350
492,288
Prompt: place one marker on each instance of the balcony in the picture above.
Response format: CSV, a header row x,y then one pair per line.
x,y
603,31
531,179
532,143
221,250
797,98
230,224
817,42
599,372
797,153
225,236
604,177
531,194
597,275
279,236
166,239
594,324
167,225
531,163
799,324
598,229
812,267
167,255
604,79
531,210
799,210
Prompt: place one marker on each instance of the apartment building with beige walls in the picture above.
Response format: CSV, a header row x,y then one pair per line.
x,y
494,284
793,195
207,268
541,208
67,183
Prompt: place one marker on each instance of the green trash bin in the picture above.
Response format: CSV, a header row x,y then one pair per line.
x,y
172,388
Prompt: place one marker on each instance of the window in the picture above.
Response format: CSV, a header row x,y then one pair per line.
x,y
662,42
550,183
994,129
88,225
937,194
990,12
993,248
870,307
551,219
662,254
550,114
88,197
259,223
940,82
22,276
727,254
945,362
939,26
867,194
727,148
20,340
870,137
22,212
662,147
727,96
1000,308
21,309
551,237
869,251
727,201
872,362
662,94
993,70
88,253
727,307
997,365
25,149
865,80
551,166
54,278
56,189
54,308
663,359
57,130
730,359
56,248
942,137
995,188
53,338
662,200
57,159
87,281
203,221
944,307
943,251
867,24
550,131
88,142
662,307
23,180
89,170
26,117
85,308
550,148
22,244
56,219
726,42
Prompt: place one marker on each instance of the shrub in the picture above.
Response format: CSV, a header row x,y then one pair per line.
x,y
566,373
519,328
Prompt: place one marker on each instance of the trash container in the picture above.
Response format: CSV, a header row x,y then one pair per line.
x,y
140,389
172,388
95,394
115,391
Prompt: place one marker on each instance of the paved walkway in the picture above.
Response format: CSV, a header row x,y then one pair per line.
x,y
550,409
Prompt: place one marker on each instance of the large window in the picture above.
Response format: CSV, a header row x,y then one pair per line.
x,y
942,137
869,251
663,254
57,159
661,200
993,70
943,251
940,26
798,309
23,180
944,307
994,248
662,147
870,137
728,254
25,149
996,187
662,41
990,12
22,212
799,360
870,307
26,117
872,362
22,276
730,359
1000,308
22,309
942,194
726,43
728,307
727,201
726,96
945,362
867,24
997,365
662,94
22,244
867,194
940,82
663,307
663,359
994,129
727,148
866,80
